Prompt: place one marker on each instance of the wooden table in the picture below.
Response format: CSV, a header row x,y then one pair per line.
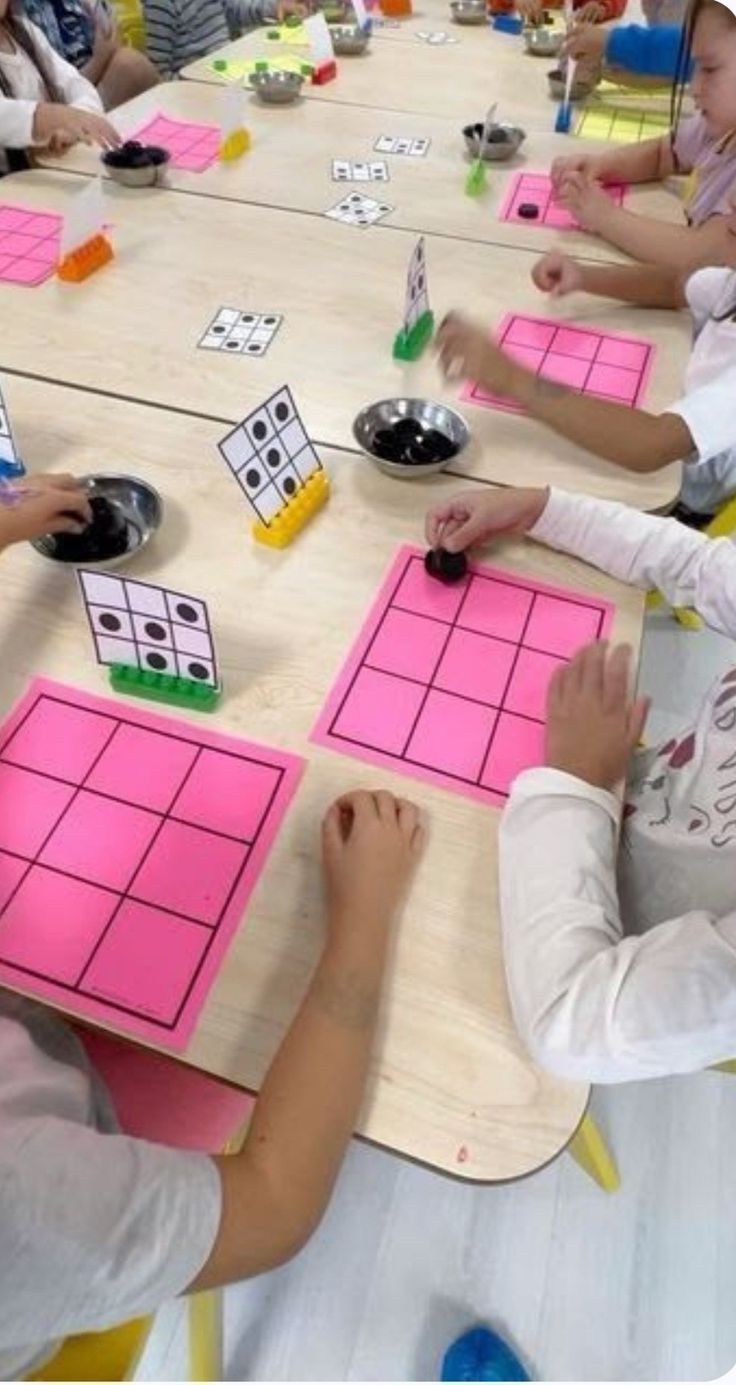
x,y
290,166
449,1073
132,330
458,80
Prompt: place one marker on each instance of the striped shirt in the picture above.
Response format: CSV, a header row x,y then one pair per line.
x,y
181,31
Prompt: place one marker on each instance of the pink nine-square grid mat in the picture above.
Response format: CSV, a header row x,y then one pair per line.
x,y
448,683
586,359
129,847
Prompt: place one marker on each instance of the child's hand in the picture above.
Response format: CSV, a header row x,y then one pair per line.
x,y
585,44
593,724
557,274
474,516
466,352
585,201
72,126
592,13
531,11
572,163
38,505
370,842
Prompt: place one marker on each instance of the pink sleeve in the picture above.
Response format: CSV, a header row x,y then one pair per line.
x,y
690,140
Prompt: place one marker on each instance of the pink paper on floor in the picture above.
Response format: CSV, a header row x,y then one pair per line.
x,y
192,147
129,846
586,359
29,244
535,189
448,683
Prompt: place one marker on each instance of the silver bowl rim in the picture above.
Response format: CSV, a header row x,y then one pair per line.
x,y
423,468
90,482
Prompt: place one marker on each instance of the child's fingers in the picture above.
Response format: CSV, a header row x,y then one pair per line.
x,y
386,806
557,691
638,714
593,668
332,837
616,679
408,815
435,522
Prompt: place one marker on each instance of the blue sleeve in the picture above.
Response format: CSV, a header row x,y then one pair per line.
x,y
652,52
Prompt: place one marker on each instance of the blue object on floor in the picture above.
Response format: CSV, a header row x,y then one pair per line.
x,y
508,23
481,1354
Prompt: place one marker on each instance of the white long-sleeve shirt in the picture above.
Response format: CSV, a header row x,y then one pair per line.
x,y
621,957
17,112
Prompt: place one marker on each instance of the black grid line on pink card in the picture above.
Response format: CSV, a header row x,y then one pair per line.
x,y
83,795
460,673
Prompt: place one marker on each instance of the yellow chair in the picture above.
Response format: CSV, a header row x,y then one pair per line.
x,y
721,526
130,21
158,1099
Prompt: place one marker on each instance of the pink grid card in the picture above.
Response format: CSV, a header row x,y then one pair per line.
x,y
29,244
192,147
129,846
583,358
536,190
448,683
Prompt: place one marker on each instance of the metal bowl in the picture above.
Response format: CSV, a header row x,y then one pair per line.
x,y
386,412
581,89
469,11
349,38
137,176
498,149
275,87
136,503
542,43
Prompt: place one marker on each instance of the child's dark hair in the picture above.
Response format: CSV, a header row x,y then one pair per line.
x,y
22,37
685,55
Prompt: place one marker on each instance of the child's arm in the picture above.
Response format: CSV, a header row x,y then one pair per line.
x,y
590,1003
632,438
683,248
24,123
651,52
647,551
651,161
275,1192
34,506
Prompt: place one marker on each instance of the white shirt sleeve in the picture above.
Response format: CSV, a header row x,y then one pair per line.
x,y
710,414
96,1228
17,113
703,290
589,1003
688,568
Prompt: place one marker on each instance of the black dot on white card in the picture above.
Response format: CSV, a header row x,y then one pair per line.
x,y
186,612
247,318
282,411
269,321
157,662
273,457
154,631
289,485
259,430
252,478
219,327
110,622
198,671
254,348
232,345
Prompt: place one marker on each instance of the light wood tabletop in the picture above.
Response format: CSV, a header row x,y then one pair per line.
x,y
290,166
457,79
132,329
450,1083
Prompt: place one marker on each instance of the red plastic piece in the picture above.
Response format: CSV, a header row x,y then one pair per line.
x,y
324,72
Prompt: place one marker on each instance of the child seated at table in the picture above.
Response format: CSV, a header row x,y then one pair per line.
x,y
702,145
585,11
44,102
97,1227
620,956
179,32
700,429
627,51
85,33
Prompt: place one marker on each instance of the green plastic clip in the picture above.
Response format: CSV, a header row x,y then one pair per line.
x,y
164,687
408,346
220,65
475,183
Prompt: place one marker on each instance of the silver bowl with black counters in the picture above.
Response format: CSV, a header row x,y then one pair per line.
x,y
469,11
127,512
504,141
276,88
382,417
580,89
543,43
349,39
136,165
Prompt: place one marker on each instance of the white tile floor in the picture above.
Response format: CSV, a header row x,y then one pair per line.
x,y
638,1286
